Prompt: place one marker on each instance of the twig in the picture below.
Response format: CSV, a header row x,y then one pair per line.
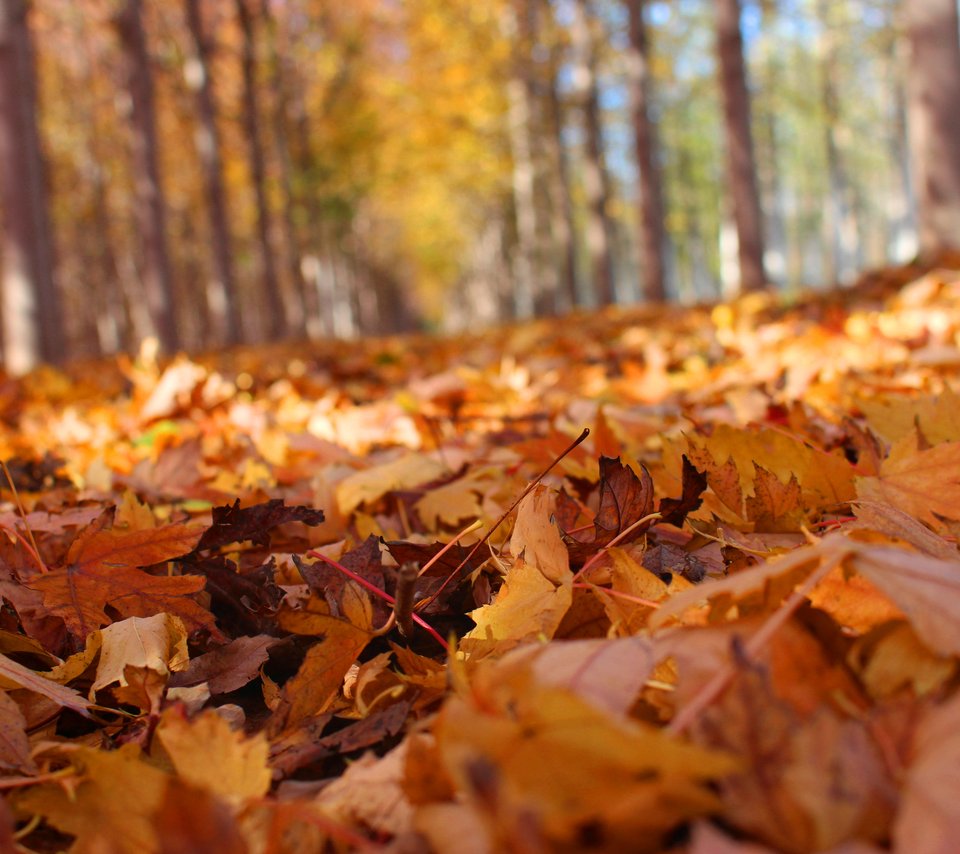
x,y
382,594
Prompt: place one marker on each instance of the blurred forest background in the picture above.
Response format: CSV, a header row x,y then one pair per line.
x,y
217,172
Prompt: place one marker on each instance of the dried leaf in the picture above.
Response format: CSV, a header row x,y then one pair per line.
x,y
101,568
208,753
529,605
114,801
320,677
923,483
236,524
158,642
14,744
373,483
16,675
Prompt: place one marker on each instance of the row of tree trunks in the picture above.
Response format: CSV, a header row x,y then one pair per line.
x,y
546,268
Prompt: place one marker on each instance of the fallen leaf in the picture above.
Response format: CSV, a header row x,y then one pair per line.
x,y
807,784
16,675
14,744
192,820
227,668
624,498
320,676
371,484
545,751
158,643
537,540
528,606
370,794
114,801
236,524
102,567
209,754
921,482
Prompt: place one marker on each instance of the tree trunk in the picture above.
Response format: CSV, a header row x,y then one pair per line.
x,y
841,228
305,300
772,192
933,80
32,314
521,147
149,202
273,297
596,183
741,167
225,306
558,186
652,234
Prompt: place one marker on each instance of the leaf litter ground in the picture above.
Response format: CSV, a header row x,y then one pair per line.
x,y
726,621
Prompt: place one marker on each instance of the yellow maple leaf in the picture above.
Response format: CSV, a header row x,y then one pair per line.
x,y
208,753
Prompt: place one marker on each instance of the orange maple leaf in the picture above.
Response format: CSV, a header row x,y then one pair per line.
x,y
102,567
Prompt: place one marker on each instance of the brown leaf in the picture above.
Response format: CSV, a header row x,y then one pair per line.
x,y
320,676
101,569
227,668
236,524
624,499
14,745
191,820
14,674
774,506
807,784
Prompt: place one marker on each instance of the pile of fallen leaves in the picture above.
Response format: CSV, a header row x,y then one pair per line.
x,y
378,595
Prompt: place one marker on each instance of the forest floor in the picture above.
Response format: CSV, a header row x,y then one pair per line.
x,y
387,594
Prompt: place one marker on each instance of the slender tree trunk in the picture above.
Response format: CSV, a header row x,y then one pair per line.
x,y
521,146
652,236
596,183
741,166
902,203
226,309
773,201
933,79
149,202
558,188
273,298
305,303
842,232
32,315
